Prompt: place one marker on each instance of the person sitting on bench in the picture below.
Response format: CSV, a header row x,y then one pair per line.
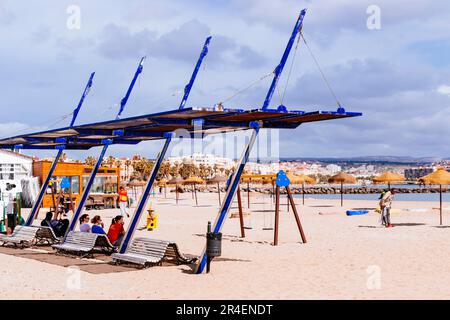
x,y
84,223
59,227
116,231
97,225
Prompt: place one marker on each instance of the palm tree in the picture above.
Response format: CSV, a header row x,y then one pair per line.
x,y
63,157
90,161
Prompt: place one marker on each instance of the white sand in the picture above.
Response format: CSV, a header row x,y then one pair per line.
x,y
340,261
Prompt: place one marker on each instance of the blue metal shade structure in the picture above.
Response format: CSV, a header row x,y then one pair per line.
x,y
134,130
193,122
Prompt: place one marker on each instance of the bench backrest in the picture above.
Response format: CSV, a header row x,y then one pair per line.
x,y
24,232
47,233
148,247
85,239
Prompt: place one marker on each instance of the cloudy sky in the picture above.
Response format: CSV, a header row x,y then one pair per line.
x,y
397,75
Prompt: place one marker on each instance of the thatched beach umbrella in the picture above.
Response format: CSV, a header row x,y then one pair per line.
x,y
342,178
176,181
389,177
440,177
134,184
163,183
217,179
301,179
193,181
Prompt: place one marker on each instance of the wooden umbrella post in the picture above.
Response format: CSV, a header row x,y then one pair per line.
x,y
303,193
294,209
241,213
342,194
192,191
248,194
176,193
440,202
218,191
72,207
287,204
195,193
277,215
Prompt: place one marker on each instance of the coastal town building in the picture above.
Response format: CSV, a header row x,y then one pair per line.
x,y
15,166
415,173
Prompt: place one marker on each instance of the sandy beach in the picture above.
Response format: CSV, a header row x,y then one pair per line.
x,y
345,257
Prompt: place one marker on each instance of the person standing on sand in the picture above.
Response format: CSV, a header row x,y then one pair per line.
x,y
123,201
385,205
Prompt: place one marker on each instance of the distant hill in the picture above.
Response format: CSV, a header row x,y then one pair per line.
x,y
371,159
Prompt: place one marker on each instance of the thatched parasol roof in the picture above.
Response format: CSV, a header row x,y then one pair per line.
x,y
217,179
300,179
389,177
176,180
193,180
136,183
342,178
440,177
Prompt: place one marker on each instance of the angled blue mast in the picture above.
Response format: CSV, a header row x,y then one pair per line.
x,y
279,69
124,101
235,178
187,89
85,93
159,159
106,143
61,148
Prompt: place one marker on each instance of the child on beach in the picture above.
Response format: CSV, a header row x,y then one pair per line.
x,y
385,206
116,231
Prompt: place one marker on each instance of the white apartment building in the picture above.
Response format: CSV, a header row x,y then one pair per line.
x,y
207,160
15,166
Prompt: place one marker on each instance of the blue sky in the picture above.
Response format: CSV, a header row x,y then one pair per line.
x,y
398,76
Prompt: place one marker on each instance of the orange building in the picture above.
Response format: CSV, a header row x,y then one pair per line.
x,y
106,182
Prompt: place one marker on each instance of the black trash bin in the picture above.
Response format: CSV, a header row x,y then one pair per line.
x,y
213,246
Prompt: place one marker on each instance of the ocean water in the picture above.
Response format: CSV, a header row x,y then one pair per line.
x,y
374,197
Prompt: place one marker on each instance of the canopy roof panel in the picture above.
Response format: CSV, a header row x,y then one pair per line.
x,y
156,126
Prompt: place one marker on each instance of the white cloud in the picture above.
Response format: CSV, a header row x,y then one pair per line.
x,y
444,89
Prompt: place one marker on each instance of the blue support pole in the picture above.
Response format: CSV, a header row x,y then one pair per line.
x,y
279,68
85,194
232,187
144,198
38,202
187,89
106,144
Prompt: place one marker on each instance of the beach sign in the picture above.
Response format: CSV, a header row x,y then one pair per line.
x,y
282,179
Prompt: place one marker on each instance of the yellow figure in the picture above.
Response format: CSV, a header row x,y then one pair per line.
x,y
152,220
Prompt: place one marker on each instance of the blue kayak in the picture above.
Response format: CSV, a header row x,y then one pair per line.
x,y
357,212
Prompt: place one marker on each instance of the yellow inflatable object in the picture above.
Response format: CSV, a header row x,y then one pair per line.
x,y
393,211
152,222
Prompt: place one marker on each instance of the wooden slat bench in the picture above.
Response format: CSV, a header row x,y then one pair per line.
x,y
84,244
46,235
174,254
22,236
150,252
